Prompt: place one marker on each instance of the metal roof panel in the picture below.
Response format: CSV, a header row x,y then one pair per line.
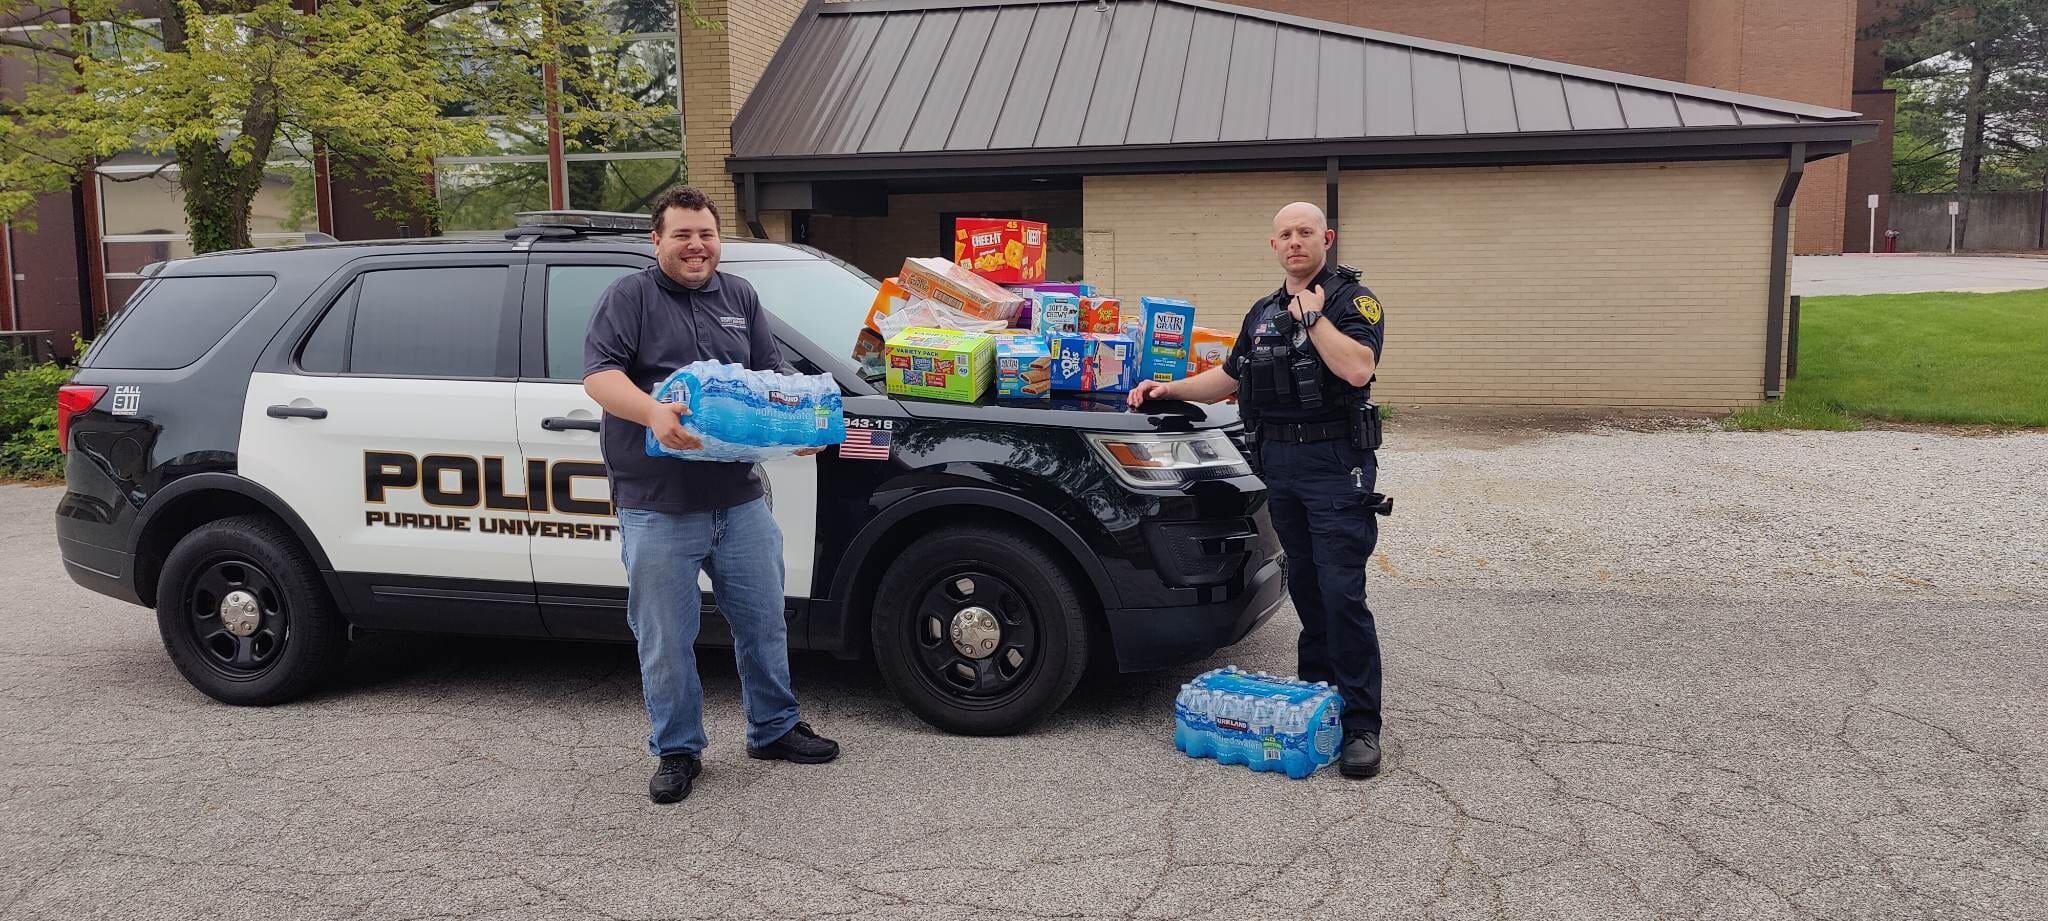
x,y
1647,109
1539,101
1247,94
989,88
1298,85
1439,94
1593,106
1488,95
1389,90
1159,80
1340,110
1199,116
1031,83
851,120
1066,109
911,84
1116,84
939,111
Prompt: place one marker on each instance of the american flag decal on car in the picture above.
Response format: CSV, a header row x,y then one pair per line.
x,y
865,444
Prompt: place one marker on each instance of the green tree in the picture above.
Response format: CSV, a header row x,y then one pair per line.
x,y
223,87
1976,79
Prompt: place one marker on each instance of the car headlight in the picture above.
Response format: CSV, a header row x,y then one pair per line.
x,y
1163,460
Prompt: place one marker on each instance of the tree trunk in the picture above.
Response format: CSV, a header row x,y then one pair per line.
x,y
1972,157
218,194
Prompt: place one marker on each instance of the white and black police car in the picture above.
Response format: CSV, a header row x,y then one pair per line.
x,y
277,448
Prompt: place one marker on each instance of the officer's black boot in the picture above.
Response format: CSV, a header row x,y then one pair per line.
x,y
1361,756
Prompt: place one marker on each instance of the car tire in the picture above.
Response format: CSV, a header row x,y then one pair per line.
x,y
248,574
1011,604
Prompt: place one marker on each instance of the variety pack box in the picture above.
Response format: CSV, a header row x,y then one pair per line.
x,y
1001,250
1023,366
1165,338
943,364
1093,362
1102,315
959,288
1211,348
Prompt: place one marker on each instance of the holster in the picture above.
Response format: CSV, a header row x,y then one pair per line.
x,y
1365,425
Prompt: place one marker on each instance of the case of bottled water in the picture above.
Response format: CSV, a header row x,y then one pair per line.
x,y
1265,722
751,416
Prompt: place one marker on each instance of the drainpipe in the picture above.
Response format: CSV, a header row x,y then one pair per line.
x,y
1330,174
1781,239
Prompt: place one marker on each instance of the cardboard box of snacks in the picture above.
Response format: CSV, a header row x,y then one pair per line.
x,y
949,284
1023,367
943,364
1211,349
1002,250
1093,362
1165,338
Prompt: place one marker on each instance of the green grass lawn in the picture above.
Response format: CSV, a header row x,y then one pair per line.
x,y
1978,359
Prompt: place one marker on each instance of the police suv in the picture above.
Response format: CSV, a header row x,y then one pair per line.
x,y
277,448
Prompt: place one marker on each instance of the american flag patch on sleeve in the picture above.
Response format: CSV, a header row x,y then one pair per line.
x,y
865,444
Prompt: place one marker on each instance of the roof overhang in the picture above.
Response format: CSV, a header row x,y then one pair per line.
x,y
893,89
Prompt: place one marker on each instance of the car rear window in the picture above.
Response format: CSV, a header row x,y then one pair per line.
x,y
176,320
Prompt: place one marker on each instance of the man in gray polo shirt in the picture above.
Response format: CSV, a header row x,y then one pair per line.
x,y
678,516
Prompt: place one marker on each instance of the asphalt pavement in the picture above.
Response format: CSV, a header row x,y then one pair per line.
x,y
1601,750
1813,276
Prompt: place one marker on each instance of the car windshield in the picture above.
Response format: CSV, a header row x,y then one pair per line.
x,y
825,301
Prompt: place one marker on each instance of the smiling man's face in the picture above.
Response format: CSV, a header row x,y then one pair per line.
x,y
686,245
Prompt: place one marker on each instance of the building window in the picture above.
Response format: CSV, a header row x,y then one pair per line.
x,y
142,215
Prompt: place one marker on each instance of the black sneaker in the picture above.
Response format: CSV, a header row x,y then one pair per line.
x,y
671,781
801,745
1361,755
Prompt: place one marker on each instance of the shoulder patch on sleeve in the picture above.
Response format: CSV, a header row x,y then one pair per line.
x,y
1368,307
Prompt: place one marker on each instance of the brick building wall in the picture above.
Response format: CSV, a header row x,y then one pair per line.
x,y
720,67
1567,286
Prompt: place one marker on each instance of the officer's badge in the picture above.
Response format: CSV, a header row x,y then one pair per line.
x,y
1367,308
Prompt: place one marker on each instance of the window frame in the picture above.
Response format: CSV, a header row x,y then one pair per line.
x,y
343,294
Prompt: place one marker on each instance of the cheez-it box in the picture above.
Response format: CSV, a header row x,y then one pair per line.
x,y
1002,250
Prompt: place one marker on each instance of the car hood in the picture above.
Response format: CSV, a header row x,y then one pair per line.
x,y
1096,412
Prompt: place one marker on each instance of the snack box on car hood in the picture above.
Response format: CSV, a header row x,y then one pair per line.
x,y
943,364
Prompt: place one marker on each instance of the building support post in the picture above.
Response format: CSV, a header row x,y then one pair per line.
x,y
750,206
1330,196
1781,239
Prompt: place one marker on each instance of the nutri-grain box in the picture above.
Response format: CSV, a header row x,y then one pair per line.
x,y
1166,335
1002,250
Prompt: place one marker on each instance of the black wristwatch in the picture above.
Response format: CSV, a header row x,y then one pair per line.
x,y
1309,318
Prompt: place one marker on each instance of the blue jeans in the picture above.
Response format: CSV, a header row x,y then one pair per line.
x,y
742,549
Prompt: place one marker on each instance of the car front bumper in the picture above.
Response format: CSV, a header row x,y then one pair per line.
x,y
1161,637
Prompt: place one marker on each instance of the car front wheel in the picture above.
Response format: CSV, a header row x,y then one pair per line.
x,y
979,631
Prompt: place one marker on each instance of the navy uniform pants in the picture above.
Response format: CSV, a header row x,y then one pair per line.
x,y
1317,494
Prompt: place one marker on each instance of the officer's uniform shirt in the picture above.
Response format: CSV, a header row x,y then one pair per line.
x,y
1347,304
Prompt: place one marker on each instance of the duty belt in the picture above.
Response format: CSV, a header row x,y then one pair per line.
x,y
1305,431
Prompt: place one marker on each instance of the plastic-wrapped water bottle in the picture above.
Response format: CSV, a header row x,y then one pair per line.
x,y
1263,721
751,416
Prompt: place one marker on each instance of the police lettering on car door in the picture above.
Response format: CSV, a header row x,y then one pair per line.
x,y
464,482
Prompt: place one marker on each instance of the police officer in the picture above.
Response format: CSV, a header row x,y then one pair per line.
x,y
1303,369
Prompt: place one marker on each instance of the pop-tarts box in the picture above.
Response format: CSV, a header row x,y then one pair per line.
x,y
1023,367
1166,339
1056,314
1093,362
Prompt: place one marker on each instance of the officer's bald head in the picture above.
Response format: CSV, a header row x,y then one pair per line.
x,y
1301,239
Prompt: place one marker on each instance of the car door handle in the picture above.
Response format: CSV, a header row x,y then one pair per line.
x,y
566,424
281,411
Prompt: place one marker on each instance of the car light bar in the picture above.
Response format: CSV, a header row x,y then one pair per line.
x,y
590,220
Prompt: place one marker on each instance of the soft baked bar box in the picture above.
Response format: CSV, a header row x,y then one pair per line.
x,y
1002,250
943,364
1023,366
